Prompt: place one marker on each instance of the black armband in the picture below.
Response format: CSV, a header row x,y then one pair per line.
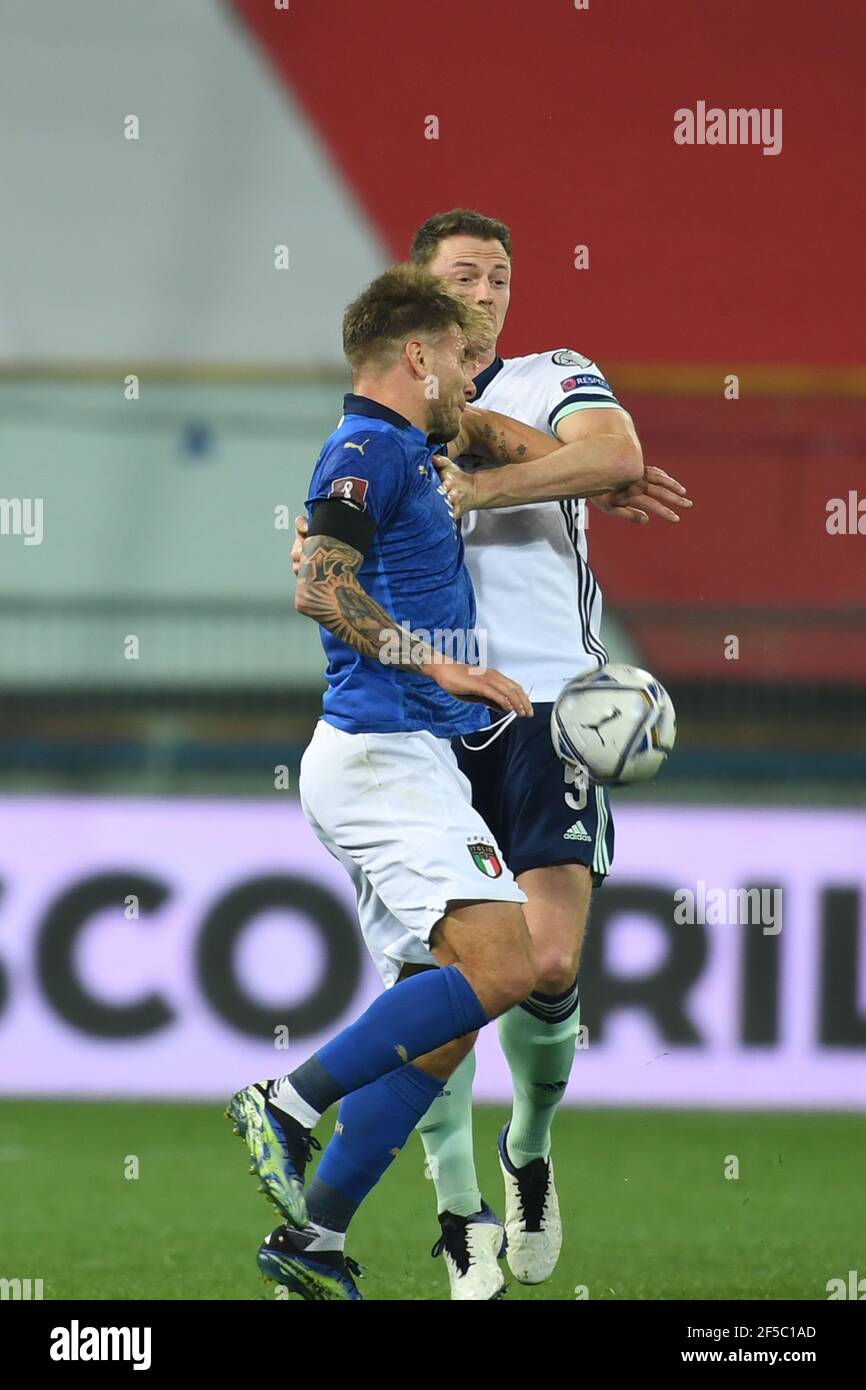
x,y
345,523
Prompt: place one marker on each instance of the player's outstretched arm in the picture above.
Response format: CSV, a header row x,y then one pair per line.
x,y
593,445
539,468
330,593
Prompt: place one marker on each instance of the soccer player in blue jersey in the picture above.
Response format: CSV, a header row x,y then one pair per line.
x,y
558,835
379,781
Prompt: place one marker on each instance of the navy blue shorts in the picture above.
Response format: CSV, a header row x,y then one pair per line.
x,y
533,803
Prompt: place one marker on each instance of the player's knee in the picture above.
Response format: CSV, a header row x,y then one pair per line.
x,y
516,979
557,969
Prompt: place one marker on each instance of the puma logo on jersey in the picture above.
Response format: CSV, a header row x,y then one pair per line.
x,y
359,447
577,832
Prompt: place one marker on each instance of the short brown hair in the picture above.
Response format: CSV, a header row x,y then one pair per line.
x,y
457,222
405,300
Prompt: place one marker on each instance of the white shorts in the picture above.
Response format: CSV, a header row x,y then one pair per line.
x,y
396,810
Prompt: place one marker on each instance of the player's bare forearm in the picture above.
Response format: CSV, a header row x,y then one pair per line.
x,y
499,438
596,464
329,592
601,457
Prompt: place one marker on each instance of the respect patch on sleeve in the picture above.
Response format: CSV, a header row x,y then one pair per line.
x,y
351,490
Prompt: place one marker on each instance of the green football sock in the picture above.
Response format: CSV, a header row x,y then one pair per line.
x,y
538,1039
446,1132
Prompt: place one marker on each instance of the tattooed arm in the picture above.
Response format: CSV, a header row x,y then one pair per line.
x,y
604,458
498,438
329,592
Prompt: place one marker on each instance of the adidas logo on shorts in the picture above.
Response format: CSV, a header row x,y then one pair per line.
x,y
577,832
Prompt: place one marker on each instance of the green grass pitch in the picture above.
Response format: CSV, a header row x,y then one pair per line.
x,y
647,1210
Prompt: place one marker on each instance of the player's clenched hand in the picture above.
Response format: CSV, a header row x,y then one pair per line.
x,y
302,529
657,493
459,486
480,685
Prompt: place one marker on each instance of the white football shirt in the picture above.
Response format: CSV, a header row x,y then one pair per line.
x,y
539,603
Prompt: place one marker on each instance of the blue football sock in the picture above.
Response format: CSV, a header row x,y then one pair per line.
x,y
426,1011
373,1125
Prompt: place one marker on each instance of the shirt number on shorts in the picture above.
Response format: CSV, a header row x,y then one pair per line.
x,y
577,778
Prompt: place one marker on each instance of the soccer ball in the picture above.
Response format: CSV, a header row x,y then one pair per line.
x,y
616,724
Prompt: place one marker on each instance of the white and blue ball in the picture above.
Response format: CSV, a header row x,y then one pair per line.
x,y
617,724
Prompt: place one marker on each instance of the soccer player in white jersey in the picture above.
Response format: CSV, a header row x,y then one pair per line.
x,y
540,607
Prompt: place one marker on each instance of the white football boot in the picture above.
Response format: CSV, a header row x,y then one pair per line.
x,y
472,1246
532,1226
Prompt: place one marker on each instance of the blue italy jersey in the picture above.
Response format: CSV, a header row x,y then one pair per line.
x,y
380,464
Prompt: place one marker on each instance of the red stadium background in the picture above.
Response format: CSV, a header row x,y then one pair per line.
x,y
704,262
